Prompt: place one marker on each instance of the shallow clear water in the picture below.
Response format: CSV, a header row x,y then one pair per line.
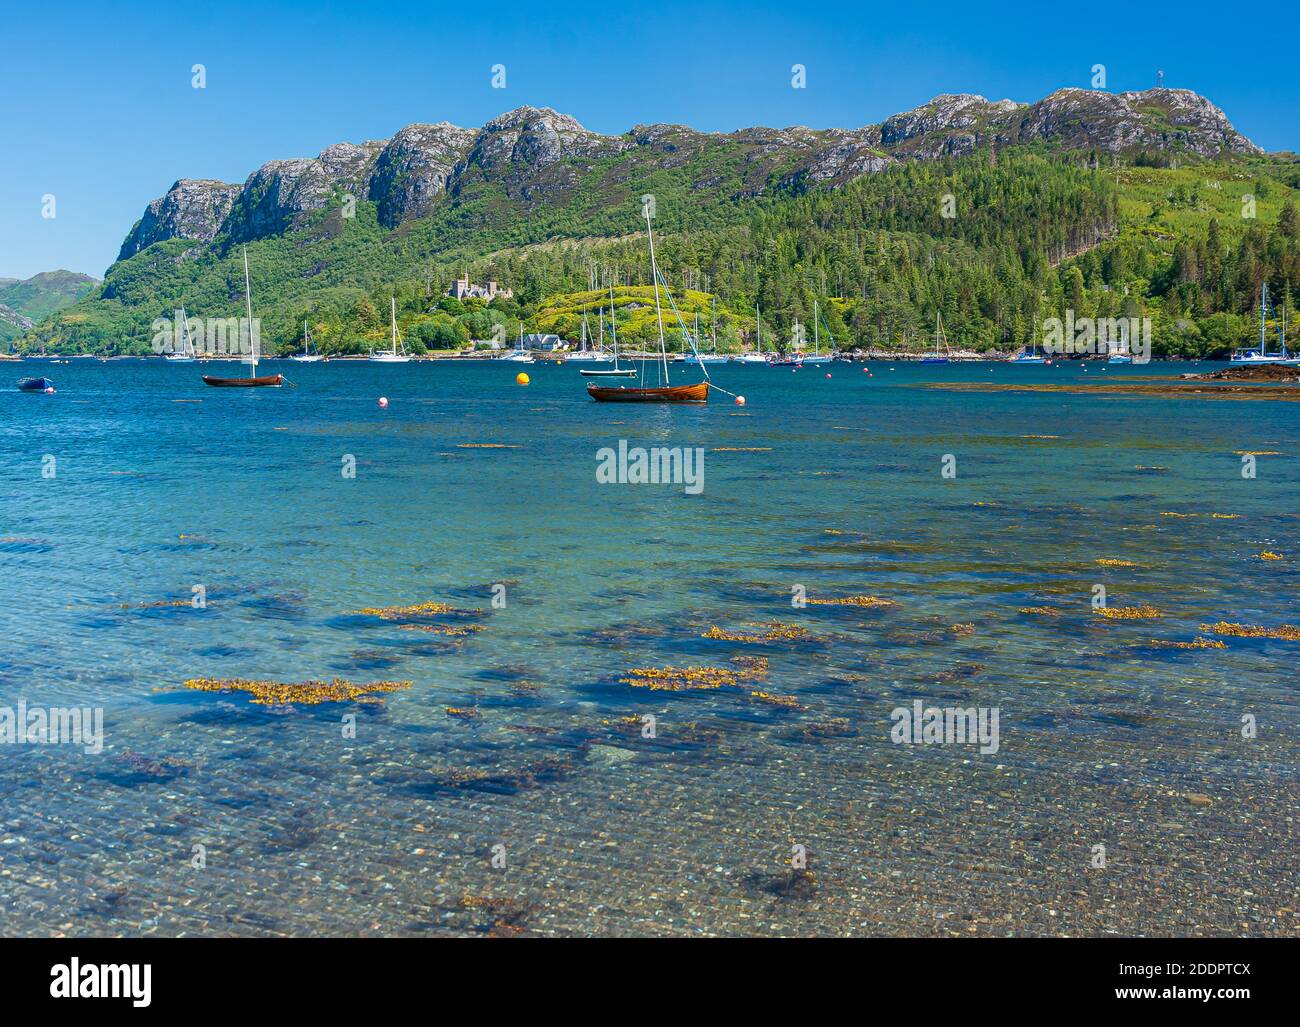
x,y
829,484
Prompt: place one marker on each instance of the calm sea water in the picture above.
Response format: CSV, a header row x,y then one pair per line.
x,y
547,813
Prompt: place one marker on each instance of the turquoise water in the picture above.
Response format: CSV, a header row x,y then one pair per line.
x,y
832,484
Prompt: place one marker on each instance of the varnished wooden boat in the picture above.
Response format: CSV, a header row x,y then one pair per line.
x,y
272,380
694,393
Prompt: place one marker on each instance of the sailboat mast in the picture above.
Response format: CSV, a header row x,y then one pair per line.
x,y
1263,303
816,338
613,327
248,301
654,277
393,300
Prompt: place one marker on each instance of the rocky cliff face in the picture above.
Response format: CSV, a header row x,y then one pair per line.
x,y
1157,119
536,156
192,209
413,170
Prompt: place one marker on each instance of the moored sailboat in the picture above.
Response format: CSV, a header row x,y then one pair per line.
x,y
309,354
185,355
817,356
615,371
664,392
396,355
756,355
1260,354
939,338
585,353
253,381
519,355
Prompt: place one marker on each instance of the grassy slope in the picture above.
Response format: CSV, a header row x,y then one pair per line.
x,y
321,271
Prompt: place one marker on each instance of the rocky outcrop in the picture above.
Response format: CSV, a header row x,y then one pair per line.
x,y
414,168
538,156
1156,119
282,194
14,319
943,122
192,209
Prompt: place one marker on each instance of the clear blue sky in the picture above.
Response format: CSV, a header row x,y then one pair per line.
x,y
96,106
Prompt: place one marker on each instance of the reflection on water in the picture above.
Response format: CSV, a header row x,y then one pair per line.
x,y
522,785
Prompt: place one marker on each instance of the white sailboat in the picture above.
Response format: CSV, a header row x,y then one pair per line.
x,y
817,357
755,357
713,357
615,371
394,355
520,355
589,355
185,355
309,354
1260,354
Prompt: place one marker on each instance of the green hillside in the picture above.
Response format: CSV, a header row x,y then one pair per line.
x,y
37,298
1033,233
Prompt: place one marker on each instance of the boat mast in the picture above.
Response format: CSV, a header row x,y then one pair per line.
x,y
816,338
613,325
758,330
393,300
1263,302
248,300
187,344
659,314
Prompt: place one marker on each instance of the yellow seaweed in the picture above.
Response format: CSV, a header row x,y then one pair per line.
x,y
306,693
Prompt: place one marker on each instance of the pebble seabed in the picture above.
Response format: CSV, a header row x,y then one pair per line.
x,y
501,781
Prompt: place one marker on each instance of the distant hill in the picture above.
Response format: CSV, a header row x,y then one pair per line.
x,y
24,304
1113,186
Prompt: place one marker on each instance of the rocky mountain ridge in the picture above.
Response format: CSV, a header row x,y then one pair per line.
x,y
537,156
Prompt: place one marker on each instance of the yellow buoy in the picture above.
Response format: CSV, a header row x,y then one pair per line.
x,y
522,378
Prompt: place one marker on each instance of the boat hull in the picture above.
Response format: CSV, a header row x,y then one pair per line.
x,y
697,393
622,372
34,384
267,381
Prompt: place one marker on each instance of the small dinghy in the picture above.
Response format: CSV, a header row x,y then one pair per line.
x,y
35,385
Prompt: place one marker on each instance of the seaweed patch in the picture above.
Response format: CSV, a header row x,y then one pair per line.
x,y
869,602
681,679
1143,612
306,693
1288,632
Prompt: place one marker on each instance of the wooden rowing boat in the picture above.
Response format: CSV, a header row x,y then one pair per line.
x,y
698,392
273,380
265,381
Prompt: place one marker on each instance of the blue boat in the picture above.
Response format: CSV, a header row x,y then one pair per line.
x,y
939,339
34,384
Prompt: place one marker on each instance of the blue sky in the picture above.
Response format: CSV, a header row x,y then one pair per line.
x,y
97,108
